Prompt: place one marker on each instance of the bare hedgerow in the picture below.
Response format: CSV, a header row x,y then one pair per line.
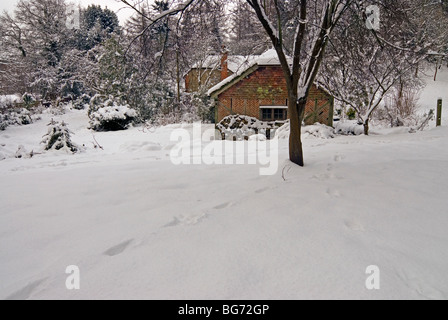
x,y
401,108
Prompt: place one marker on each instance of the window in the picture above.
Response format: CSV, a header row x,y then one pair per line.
x,y
266,114
279,114
274,114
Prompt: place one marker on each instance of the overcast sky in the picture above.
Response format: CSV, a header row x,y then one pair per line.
x,y
114,5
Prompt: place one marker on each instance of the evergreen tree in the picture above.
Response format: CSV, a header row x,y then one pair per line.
x,y
58,138
97,25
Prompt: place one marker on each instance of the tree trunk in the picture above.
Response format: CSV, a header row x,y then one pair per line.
x,y
178,74
295,110
366,127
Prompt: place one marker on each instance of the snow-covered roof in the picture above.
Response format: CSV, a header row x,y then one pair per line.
x,y
234,63
269,58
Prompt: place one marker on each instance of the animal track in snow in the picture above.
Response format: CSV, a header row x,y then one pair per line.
x,y
262,190
223,206
335,193
194,219
354,225
118,249
324,176
186,220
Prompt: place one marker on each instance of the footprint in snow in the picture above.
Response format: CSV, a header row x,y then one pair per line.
x,y
263,190
335,193
187,220
354,225
223,206
118,249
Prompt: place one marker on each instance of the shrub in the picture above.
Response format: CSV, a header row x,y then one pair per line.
x,y
240,126
402,106
11,117
59,138
349,128
82,102
351,114
23,117
109,115
28,100
3,123
9,101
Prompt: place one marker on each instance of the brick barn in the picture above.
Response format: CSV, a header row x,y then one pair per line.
x,y
259,90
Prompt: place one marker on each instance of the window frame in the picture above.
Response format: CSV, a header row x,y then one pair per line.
x,y
274,111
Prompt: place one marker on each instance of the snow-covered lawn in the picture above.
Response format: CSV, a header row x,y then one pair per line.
x,y
139,227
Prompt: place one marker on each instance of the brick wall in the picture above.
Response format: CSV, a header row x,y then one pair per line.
x,y
267,87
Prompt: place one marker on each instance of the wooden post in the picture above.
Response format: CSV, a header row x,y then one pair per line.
x,y
439,113
331,114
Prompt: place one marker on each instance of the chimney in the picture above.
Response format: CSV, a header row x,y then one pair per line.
x,y
224,63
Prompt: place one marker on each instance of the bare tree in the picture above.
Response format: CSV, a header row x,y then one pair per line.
x,y
364,65
247,34
313,24
317,20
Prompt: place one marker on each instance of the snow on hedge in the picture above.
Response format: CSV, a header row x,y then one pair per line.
x,y
317,131
15,117
348,128
112,118
244,126
9,100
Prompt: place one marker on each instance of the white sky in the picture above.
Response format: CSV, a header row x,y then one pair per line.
x,y
114,5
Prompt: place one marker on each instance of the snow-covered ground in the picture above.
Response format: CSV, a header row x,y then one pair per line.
x,y
139,227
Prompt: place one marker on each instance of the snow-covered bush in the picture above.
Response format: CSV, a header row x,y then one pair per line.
x,y
59,138
239,126
82,102
9,101
3,123
284,131
317,130
18,117
23,117
401,108
349,128
109,115
22,153
28,100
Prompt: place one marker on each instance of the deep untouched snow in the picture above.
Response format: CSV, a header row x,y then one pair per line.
x,y
139,227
